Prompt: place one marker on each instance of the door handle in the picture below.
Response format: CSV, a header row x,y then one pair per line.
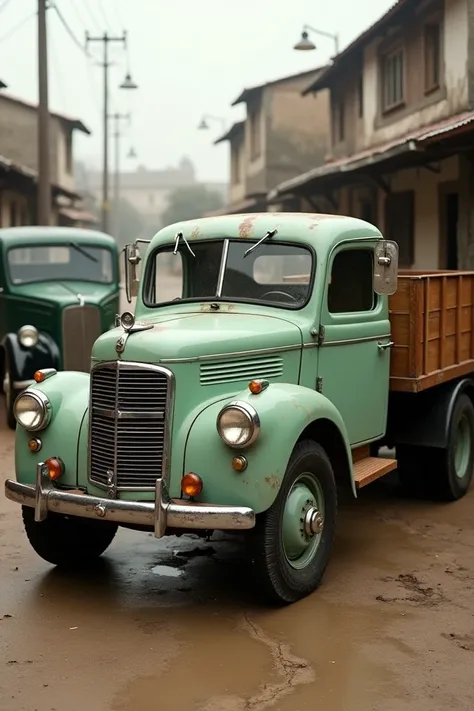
x,y
384,346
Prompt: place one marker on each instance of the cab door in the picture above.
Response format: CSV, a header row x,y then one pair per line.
x,y
354,357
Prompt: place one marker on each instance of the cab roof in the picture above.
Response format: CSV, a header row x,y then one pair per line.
x,y
299,227
21,236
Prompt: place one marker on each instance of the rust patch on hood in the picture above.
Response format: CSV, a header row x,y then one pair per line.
x,y
320,218
196,232
246,227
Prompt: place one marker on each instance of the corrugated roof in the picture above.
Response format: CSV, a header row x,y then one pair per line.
x,y
325,79
408,142
74,123
236,129
8,166
251,92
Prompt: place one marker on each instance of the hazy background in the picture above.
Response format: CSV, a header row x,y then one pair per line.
x,y
188,57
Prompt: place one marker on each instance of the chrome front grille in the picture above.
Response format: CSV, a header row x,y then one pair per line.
x,y
81,327
130,411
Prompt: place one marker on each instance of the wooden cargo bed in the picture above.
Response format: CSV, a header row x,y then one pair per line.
x,y
432,323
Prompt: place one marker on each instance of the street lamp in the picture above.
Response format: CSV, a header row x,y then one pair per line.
x,y
132,152
204,125
128,82
305,44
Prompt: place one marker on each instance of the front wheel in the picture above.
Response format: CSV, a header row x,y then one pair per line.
x,y
10,395
292,541
68,541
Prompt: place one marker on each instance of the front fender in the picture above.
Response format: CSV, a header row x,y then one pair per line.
x,y
68,393
24,362
285,412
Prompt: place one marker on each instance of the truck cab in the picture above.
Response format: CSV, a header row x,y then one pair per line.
x,y
59,290
251,382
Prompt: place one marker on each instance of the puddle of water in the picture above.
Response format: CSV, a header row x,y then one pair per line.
x,y
167,571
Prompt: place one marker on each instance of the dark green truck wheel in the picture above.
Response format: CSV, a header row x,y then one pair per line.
x,y
10,394
443,474
292,541
68,541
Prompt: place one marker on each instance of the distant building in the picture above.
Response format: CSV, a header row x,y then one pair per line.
x,y
282,136
149,190
19,164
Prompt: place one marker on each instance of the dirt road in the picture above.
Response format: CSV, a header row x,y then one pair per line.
x,y
173,625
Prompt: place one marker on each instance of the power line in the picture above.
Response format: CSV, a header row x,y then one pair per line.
x,y
93,16
4,4
117,13
17,27
69,31
102,12
57,72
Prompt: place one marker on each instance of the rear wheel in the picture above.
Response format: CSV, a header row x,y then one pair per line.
x,y
292,541
446,473
68,541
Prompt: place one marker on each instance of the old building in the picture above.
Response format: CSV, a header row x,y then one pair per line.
x,y
282,135
19,164
402,123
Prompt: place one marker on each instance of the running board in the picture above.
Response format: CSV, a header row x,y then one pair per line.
x,y
369,469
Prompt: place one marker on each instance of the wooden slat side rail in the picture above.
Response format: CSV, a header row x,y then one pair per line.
x,y
432,326
371,468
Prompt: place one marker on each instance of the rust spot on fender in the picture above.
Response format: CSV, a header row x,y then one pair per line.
x,y
246,227
196,232
273,481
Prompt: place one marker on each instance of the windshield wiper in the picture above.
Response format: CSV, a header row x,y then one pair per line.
x,y
270,233
176,244
83,251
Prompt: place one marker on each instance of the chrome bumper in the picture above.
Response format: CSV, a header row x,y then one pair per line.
x,y
161,514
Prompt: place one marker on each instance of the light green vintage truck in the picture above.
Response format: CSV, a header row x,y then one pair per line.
x,y
270,358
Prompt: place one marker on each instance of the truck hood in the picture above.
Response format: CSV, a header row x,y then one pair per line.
x,y
197,335
64,293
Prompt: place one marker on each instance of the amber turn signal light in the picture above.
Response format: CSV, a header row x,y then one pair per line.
x,y
55,468
191,484
255,387
34,445
239,464
39,376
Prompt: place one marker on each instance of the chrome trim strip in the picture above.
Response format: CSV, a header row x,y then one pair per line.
x,y
160,514
220,279
168,417
130,414
262,351
350,341
22,384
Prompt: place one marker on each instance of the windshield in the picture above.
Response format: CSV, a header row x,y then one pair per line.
x,y
69,261
274,274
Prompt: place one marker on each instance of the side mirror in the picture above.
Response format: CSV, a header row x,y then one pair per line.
x,y
132,279
385,267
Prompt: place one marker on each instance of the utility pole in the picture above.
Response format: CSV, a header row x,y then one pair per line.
x,y
106,39
117,117
44,186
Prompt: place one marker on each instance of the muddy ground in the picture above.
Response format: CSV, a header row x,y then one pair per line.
x,y
172,625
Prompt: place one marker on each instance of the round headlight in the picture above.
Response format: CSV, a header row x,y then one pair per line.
x,y
28,336
32,410
238,424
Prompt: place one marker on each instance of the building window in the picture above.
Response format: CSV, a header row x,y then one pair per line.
x,y
69,153
255,133
432,47
400,225
393,76
235,164
338,128
360,96
351,286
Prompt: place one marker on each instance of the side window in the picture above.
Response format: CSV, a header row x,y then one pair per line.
x,y
351,284
168,278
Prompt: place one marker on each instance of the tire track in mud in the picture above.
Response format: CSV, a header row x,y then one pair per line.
x,y
293,671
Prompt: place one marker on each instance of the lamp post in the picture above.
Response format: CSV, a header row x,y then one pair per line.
x,y
305,44
204,125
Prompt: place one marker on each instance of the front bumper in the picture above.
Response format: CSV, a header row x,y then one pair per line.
x,y
161,514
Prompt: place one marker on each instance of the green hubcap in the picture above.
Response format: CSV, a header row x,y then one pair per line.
x,y
303,520
462,447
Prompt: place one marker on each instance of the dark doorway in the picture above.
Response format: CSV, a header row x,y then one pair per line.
x,y
451,229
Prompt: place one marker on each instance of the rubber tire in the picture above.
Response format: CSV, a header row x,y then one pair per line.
x,y
429,472
68,541
10,417
276,581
